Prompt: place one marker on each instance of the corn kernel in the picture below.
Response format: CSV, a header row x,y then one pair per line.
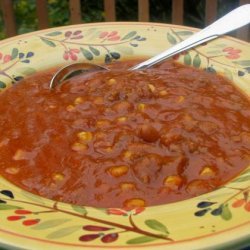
x,y
118,171
173,181
127,154
111,81
12,170
122,119
78,100
134,203
70,108
79,146
180,99
151,87
58,177
207,171
85,136
141,106
127,186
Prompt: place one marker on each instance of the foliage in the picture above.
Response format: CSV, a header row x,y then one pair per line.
x,y
93,11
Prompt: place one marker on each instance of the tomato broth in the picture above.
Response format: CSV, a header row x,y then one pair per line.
x,y
123,138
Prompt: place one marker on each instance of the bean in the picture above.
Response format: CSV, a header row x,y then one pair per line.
x,y
134,203
103,123
148,133
173,181
127,186
151,87
77,146
163,93
122,107
117,171
85,136
198,187
70,108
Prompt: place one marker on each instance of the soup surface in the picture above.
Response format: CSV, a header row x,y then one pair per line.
x,y
124,139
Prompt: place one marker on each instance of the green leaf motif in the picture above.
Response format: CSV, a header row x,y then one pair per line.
x,y
2,85
48,42
184,33
54,33
129,35
156,225
171,39
4,206
95,51
79,209
242,178
141,240
26,70
125,50
243,62
32,197
187,59
226,213
14,53
63,232
50,223
87,54
197,61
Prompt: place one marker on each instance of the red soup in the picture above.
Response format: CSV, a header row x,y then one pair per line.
x,y
124,139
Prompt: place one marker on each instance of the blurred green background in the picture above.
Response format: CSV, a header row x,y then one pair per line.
x,y
126,10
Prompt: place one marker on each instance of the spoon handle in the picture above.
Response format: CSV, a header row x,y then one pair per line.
x,y
231,21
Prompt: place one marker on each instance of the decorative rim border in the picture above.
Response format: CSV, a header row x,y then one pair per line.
x,y
6,41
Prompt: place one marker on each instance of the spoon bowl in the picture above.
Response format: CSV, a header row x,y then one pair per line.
x,y
72,70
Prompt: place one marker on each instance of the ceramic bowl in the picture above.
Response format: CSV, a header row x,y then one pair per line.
x,y
219,219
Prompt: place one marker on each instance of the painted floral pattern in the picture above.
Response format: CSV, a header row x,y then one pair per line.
x,y
106,231
73,43
224,209
30,215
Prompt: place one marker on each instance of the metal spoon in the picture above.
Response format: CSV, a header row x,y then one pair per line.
x,y
231,21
